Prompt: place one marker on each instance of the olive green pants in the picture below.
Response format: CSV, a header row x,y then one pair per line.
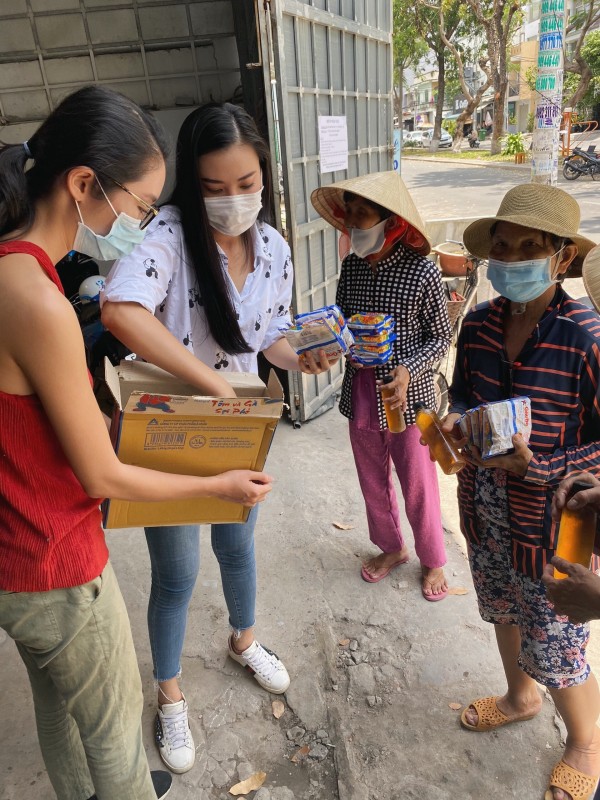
x,y
76,644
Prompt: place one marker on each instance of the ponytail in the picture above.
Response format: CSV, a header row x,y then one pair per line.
x,y
94,127
16,210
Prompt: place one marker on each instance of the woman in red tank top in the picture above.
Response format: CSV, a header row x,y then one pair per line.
x,y
86,180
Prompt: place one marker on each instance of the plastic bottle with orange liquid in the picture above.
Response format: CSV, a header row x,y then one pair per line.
x,y
441,445
394,416
576,532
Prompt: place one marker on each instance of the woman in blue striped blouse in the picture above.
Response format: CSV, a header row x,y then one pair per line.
x,y
535,341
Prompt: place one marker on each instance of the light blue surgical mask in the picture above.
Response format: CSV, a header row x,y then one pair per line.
x,y
521,281
124,235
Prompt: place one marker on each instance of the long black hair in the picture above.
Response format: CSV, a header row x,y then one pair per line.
x,y
211,127
93,127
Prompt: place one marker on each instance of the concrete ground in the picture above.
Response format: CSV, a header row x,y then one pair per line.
x,y
375,668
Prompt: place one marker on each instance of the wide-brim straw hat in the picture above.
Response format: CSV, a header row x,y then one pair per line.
x,y
533,205
387,189
591,276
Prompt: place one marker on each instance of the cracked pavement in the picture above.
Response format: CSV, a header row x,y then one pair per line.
x,y
374,667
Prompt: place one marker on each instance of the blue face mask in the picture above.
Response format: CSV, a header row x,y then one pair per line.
x,y
124,235
521,281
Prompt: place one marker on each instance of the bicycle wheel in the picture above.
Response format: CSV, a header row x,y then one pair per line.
x,y
440,387
570,173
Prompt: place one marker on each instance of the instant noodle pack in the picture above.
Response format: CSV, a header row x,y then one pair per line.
x,y
322,329
373,337
491,426
366,337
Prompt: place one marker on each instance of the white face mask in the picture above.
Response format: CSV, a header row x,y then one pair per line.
x,y
123,236
368,241
234,214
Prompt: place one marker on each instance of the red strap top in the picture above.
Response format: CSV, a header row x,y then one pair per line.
x,y
50,530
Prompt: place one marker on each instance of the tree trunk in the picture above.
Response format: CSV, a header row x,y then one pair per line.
x,y
439,104
398,94
498,120
471,107
585,78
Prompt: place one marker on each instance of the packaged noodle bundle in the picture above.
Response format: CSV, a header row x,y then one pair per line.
x,y
361,346
371,359
333,316
370,323
322,329
491,426
373,336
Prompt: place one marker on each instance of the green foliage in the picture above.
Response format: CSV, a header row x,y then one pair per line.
x,y
531,76
591,51
408,45
450,126
512,144
530,122
570,85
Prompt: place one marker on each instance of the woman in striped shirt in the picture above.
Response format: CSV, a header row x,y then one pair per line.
x,y
533,341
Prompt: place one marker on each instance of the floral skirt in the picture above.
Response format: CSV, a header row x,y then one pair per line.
x,y
552,648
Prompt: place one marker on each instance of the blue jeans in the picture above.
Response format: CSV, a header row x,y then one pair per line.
x,y
175,561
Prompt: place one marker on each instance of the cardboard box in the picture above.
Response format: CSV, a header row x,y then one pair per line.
x,y
162,423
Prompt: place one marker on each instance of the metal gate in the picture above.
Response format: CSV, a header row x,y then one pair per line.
x,y
330,58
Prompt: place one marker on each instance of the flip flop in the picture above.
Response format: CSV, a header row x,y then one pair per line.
x,y
366,575
489,716
433,598
579,785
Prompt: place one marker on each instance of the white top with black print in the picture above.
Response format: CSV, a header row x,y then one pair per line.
x,y
158,275
408,287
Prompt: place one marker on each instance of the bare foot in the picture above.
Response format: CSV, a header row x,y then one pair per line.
x,y
434,580
585,760
531,704
380,564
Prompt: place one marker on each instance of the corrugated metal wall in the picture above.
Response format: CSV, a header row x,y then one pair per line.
x,y
161,53
332,58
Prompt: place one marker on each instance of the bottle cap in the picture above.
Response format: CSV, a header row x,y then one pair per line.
x,y
387,379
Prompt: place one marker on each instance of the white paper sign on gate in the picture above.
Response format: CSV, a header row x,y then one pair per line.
x,y
333,144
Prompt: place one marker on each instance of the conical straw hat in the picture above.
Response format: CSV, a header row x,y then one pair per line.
x,y
591,276
533,205
387,189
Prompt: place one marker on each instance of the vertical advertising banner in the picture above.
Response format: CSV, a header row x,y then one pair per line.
x,y
549,92
397,149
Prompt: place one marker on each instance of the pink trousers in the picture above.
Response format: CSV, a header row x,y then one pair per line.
x,y
374,453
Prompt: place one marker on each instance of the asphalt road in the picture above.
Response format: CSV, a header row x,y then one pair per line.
x,y
442,189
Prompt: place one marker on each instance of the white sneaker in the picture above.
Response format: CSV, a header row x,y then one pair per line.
x,y
174,738
264,665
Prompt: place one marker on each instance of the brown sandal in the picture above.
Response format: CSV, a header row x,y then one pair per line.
x,y
579,785
489,716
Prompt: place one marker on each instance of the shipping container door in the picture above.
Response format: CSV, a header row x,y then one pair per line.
x,y
167,56
331,58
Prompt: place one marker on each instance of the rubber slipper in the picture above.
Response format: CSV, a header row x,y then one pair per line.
x,y
489,716
366,575
433,598
579,785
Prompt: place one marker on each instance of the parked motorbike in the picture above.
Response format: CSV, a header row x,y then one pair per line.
x,y
473,141
581,163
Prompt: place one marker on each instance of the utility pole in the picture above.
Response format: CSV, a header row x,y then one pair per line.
x,y
549,89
